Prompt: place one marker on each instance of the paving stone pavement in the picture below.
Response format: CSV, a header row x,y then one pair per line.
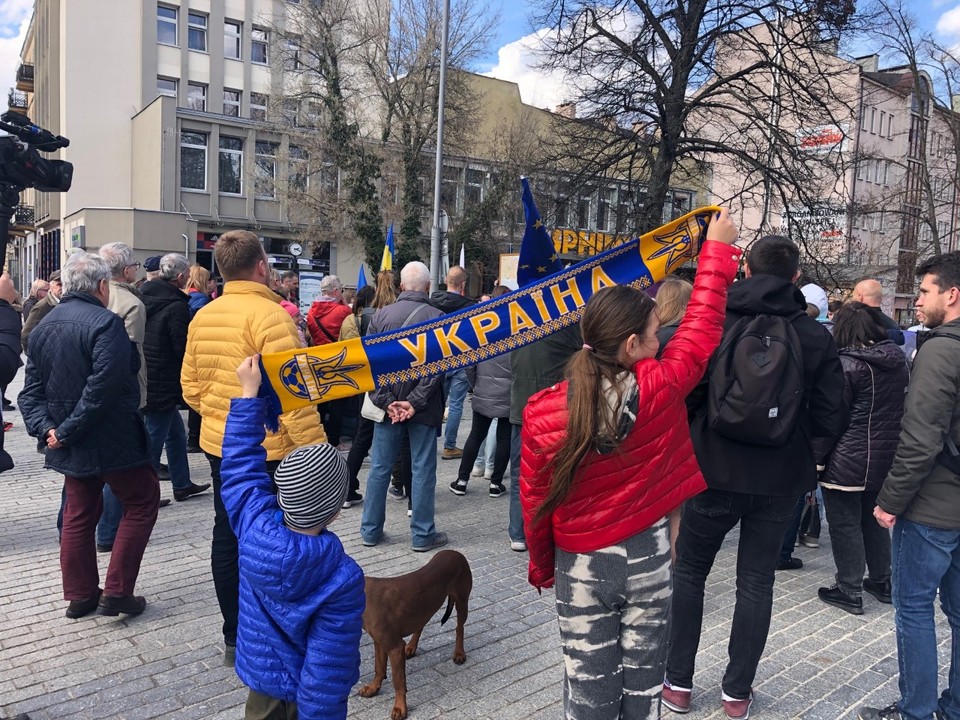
x,y
820,663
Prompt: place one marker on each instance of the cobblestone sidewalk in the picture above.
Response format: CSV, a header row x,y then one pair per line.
x,y
820,663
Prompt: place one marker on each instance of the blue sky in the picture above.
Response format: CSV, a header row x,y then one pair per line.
x,y
511,56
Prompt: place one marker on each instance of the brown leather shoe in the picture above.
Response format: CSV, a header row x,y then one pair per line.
x,y
79,608
129,605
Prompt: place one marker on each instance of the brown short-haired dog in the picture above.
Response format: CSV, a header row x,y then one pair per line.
x,y
401,606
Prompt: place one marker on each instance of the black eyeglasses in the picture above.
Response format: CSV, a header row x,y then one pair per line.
x,y
134,265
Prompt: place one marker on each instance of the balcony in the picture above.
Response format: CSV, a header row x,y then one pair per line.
x,y
17,101
22,221
25,77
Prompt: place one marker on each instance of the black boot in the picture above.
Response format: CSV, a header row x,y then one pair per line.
x,y
838,598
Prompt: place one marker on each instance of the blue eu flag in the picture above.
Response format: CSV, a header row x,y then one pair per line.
x,y
538,258
361,279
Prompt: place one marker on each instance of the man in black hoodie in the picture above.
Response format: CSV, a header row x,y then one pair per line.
x,y
455,383
164,345
755,486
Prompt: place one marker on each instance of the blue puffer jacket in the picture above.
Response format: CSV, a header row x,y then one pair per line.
x,y
301,596
81,379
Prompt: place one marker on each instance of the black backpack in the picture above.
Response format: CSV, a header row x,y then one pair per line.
x,y
756,381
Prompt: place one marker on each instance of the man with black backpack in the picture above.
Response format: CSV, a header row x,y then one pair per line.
x,y
774,383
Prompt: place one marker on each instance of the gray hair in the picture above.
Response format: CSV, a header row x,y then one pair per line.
x,y
330,282
118,256
415,276
83,272
172,265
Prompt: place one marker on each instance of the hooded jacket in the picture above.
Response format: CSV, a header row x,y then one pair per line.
x,y
246,320
301,596
790,469
918,487
619,494
324,320
426,394
164,342
449,302
81,379
875,383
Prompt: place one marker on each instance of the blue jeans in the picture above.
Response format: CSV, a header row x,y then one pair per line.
x,y
488,450
166,428
109,519
456,393
925,558
516,511
387,439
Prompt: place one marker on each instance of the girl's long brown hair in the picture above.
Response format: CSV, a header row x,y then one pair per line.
x,y
612,315
386,293
672,299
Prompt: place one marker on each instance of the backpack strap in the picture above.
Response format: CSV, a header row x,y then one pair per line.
x,y
413,314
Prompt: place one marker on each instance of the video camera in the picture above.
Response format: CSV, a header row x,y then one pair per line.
x,y
21,166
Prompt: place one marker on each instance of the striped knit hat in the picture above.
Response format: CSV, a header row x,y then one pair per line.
x,y
312,483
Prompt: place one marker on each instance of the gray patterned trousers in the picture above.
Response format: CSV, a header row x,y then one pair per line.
x,y
614,606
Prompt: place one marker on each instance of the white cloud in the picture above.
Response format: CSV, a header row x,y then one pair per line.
x,y
949,22
517,62
14,18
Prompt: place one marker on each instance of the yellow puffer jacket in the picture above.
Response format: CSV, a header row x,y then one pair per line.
x,y
247,320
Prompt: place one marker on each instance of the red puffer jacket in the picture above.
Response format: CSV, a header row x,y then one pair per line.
x,y
324,320
617,495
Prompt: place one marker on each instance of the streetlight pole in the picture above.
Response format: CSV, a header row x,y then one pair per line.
x,y
438,177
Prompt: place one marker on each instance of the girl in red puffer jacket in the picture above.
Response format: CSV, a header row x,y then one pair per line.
x,y
606,457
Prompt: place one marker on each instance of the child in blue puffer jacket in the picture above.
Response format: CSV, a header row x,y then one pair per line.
x,y
301,595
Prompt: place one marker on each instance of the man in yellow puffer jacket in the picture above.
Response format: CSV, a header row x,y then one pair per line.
x,y
247,320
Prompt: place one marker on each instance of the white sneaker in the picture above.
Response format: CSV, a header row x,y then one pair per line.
x,y
487,474
477,472
518,546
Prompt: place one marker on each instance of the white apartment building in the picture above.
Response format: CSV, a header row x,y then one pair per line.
x,y
167,106
881,136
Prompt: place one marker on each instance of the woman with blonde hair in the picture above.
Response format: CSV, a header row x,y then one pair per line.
x,y
196,288
672,300
386,293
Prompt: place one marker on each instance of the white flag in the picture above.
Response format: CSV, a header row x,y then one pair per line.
x,y
463,263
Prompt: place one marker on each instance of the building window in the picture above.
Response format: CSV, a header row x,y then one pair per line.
x,y
299,172
449,187
197,32
329,177
258,45
265,178
604,216
890,126
288,113
258,106
166,86
292,59
231,165
231,102
197,96
193,161
562,206
232,35
583,212
473,191
873,121
166,25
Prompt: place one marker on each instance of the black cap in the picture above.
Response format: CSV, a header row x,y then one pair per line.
x,y
152,263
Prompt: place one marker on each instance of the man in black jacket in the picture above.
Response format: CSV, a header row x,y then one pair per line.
x,y
755,486
81,397
164,345
455,384
920,500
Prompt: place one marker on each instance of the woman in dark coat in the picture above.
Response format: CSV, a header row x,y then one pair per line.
x,y
875,384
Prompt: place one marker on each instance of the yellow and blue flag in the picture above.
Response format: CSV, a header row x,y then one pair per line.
x,y
538,258
387,262
298,378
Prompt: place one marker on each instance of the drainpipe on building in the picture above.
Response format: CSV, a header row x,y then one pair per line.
x,y
853,183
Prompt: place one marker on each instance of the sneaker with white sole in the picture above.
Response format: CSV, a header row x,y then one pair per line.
x,y
487,474
736,709
518,546
477,472
676,698
497,489
458,487
439,540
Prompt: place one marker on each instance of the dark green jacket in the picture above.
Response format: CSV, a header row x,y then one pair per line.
x,y
917,487
538,366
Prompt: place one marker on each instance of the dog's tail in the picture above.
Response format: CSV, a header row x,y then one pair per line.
x,y
446,615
